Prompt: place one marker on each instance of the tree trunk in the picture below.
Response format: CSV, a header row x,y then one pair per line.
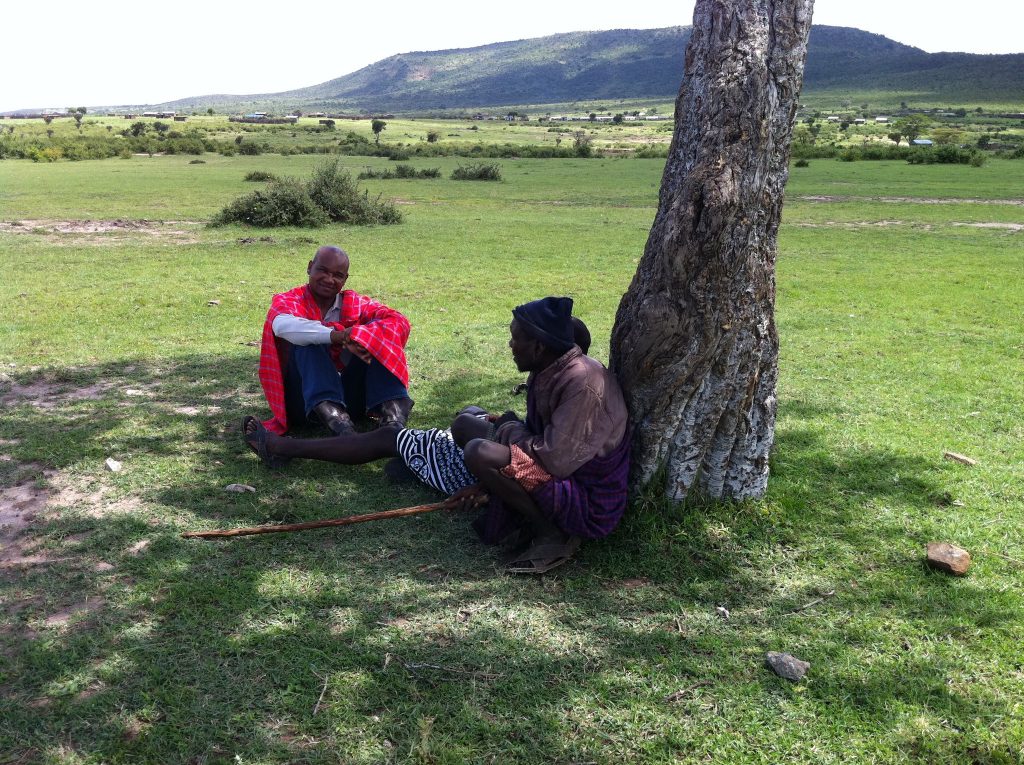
x,y
694,342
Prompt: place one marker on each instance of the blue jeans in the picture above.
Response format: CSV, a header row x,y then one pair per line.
x,y
311,378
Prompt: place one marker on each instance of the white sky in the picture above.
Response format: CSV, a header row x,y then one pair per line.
x,y
75,53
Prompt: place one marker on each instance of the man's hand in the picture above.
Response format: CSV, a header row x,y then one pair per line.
x,y
344,339
467,498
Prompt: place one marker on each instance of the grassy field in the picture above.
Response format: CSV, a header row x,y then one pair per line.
x,y
899,309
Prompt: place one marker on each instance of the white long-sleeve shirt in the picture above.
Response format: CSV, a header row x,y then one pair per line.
x,y
299,331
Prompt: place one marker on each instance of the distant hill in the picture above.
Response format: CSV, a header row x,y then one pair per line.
x,y
627,63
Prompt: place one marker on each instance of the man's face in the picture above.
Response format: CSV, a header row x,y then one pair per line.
x,y
526,351
328,272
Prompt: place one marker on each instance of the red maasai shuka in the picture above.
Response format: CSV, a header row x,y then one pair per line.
x,y
381,330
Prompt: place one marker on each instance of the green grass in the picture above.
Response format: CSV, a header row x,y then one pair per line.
x,y
404,641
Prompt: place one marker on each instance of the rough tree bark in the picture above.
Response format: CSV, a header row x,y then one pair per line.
x,y
694,342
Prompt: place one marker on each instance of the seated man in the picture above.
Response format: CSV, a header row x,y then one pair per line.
x,y
328,351
562,474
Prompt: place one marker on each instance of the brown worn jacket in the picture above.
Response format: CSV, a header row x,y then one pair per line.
x,y
577,412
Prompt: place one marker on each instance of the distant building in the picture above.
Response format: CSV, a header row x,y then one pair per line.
x,y
921,142
881,120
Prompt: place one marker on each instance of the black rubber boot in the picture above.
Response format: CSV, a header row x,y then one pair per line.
x,y
335,418
395,413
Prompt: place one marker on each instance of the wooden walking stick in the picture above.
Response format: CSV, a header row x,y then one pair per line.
x,y
401,512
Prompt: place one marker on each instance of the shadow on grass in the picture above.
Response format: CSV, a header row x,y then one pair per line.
x,y
404,642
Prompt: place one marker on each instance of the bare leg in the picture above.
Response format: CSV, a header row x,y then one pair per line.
x,y
466,427
485,459
354,449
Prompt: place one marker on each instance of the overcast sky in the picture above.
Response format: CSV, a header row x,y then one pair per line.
x,y
104,52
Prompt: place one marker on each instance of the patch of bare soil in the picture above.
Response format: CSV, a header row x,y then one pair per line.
x,y
911,200
853,224
195,411
29,501
1006,226
20,505
64,615
45,394
100,231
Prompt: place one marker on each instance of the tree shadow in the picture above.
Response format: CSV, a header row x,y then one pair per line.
x,y
398,641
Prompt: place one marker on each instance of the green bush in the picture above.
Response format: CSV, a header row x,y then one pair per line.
x,y
285,202
801,163
652,151
332,189
946,155
259,176
481,171
400,171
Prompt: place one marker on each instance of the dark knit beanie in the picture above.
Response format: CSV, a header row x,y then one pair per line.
x,y
548,320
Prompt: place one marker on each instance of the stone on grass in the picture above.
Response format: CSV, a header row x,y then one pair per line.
x,y
240,488
949,558
113,465
963,459
787,666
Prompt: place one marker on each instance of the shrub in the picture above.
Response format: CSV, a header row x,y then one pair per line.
x,y
400,171
198,162
652,151
946,155
481,171
284,202
433,136
332,189
801,163
260,175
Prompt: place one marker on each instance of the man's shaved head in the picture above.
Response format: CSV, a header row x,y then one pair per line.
x,y
328,272
330,249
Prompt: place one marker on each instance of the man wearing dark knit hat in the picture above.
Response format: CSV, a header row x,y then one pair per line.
x,y
560,476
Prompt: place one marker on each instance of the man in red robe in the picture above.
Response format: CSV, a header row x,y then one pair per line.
x,y
328,352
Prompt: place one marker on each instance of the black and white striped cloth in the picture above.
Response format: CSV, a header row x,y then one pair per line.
x,y
435,458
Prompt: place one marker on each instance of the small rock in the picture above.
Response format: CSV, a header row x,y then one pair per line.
x,y
787,666
958,503
113,465
213,302
134,392
963,459
722,611
240,488
949,558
